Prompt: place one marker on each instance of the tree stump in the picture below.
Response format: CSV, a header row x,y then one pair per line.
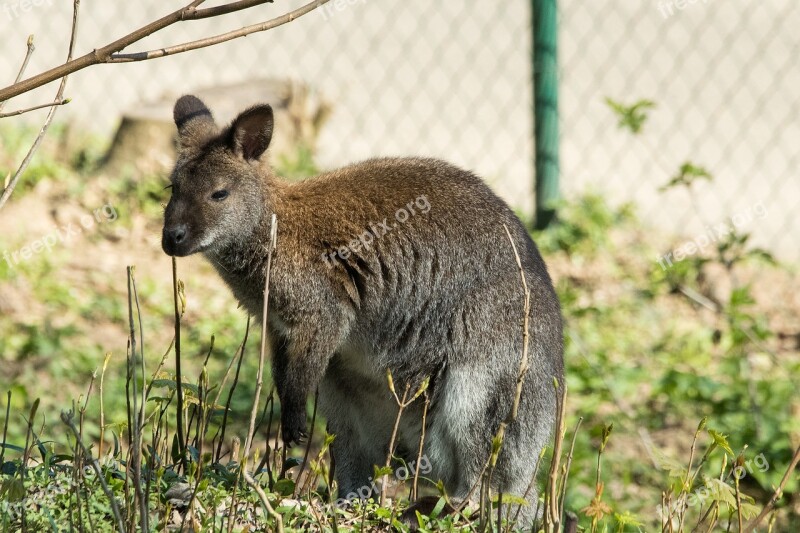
x,y
146,139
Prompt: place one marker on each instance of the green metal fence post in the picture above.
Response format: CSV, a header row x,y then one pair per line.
x,y
545,108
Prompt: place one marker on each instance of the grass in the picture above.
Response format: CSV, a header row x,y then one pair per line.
x,y
681,406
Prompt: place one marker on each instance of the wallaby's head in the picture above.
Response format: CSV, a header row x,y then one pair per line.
x,y
219,184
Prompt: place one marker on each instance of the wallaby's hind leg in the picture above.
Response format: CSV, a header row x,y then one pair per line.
x,y
523,444
467,415
457,441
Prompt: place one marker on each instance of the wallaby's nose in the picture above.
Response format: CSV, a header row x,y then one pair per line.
x,y
177,234
173,238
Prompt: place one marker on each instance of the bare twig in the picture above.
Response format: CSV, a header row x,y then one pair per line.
x,y
226,8
264,501
738,502
177,287
59,96
563,493
552,516
421,445
27,453
523,368
523,364
63,101
777,494
686,487
227,410
401,405
308,444
529,489
216,39
66,417
102,405
28,53
260,375
105,53
5,427
136,428
521,373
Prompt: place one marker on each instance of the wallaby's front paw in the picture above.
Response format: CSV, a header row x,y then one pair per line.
x,y
293,426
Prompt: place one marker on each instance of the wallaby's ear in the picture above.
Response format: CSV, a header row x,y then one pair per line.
x,y
251,132
193,119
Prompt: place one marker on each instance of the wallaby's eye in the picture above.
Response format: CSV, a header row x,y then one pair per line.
x,y
219,195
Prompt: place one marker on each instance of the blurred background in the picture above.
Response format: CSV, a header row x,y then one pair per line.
x,y
676,117
454,80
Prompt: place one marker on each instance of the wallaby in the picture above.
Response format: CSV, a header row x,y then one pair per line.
x,y
396,264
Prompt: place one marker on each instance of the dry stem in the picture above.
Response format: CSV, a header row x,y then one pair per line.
x,y
260,375
59,96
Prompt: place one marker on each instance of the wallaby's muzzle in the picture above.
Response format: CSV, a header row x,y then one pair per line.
x,y
175,240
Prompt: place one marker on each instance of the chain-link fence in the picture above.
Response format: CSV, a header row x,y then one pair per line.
x,y
724,77
453,80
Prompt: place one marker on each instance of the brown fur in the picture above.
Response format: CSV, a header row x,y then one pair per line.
x,y
436,294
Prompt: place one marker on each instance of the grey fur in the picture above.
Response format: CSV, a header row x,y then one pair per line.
x,y
437,296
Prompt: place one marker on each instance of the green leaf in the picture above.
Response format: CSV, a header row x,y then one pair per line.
x,y
721,492
721,441
169,383
383,512
12,490
627,519
437,510
381,471
674,468
284,487
688,173
631,117
173,385
749,510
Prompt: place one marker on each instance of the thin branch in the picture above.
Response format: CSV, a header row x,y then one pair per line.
x,y
59,96
217,39
552,515
308,444
421,444
264,500
523,364
563,492
232,389
104,54
108,54
260,376
28,54
66,417
179,306
777,494
227,8
5,427
64,101
401,405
